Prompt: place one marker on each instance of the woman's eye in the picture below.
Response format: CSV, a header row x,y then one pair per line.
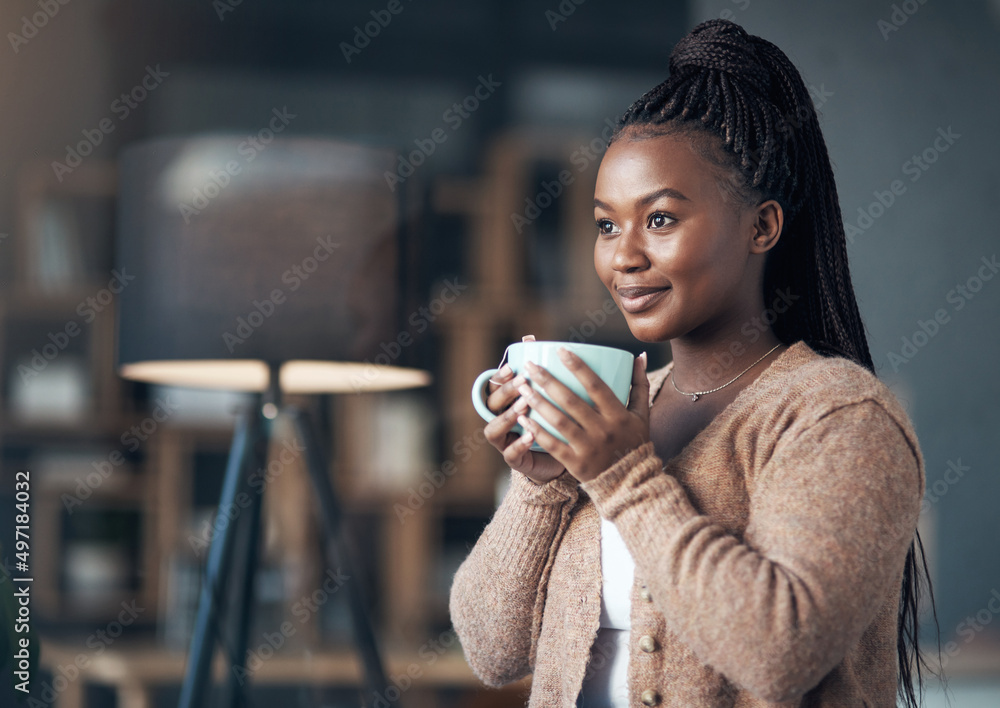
x,y
658,221
605,227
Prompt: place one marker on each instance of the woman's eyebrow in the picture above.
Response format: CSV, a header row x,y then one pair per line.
x,y
649,198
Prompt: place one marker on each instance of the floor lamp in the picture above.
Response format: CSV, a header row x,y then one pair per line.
x,y
277,270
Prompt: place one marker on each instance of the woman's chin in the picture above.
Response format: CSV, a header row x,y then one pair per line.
x,y
649,334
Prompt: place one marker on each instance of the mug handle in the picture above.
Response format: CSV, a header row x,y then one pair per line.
x,y
479,401
479,397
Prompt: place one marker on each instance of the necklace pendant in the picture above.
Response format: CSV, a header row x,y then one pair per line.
x,y
694,396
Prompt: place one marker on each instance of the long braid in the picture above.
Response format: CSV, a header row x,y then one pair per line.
x,y
745,91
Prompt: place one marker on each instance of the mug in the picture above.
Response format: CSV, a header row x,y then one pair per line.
x,y
613,366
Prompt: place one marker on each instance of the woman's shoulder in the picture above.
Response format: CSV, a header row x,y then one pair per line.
x,y
811,385
825,380
802,386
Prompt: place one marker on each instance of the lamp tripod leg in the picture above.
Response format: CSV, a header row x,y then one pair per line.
x,y
208,627
339,555
239,614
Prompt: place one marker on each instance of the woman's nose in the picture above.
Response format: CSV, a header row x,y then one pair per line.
x,y
630,254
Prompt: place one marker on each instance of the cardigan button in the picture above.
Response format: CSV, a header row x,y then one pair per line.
x,y
650,698
646,595
647,644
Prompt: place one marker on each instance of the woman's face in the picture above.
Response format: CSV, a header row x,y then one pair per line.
x,y
677,258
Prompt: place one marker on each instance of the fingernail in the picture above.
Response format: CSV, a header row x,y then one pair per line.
x,y
520,405
505,370
524,421
645,359
525,390
563,353
519,381
527,437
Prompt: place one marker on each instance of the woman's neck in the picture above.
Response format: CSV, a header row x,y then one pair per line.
x,y
707,364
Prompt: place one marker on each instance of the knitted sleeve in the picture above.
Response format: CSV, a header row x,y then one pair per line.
x,y
498,592
832,514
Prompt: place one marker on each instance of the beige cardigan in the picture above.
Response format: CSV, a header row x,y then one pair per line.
x,y
769,554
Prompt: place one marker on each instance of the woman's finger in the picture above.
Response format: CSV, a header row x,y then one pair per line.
x,y
575,407
600,393
638,397
566,426
496,430
505,395
547,441
501,377
518,448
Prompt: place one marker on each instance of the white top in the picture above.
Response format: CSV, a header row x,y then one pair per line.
x,y
605,684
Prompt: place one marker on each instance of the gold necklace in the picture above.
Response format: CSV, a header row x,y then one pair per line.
x,y
698,394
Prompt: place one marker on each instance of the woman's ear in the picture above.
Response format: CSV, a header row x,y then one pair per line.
x,y
769,219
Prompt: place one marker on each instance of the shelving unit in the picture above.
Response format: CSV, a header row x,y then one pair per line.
x,y
63,412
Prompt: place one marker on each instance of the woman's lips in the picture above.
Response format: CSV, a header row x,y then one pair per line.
x,y
635,299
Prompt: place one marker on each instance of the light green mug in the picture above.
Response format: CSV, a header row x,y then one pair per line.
x,y
613,366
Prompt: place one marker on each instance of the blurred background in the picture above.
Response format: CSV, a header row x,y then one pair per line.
x,y
500,113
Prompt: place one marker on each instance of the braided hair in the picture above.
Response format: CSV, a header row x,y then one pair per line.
x,y
727,85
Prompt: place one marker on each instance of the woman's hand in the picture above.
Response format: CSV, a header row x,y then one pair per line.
x,y
597,437
505,401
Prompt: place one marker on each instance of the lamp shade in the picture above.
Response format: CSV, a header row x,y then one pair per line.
x,y
237,257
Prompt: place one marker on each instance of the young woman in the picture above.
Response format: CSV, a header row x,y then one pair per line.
x,y
743,532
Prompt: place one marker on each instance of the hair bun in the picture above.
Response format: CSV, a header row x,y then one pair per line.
x,y
721,45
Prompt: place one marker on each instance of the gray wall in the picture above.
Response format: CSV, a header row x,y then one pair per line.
x,y
892,90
